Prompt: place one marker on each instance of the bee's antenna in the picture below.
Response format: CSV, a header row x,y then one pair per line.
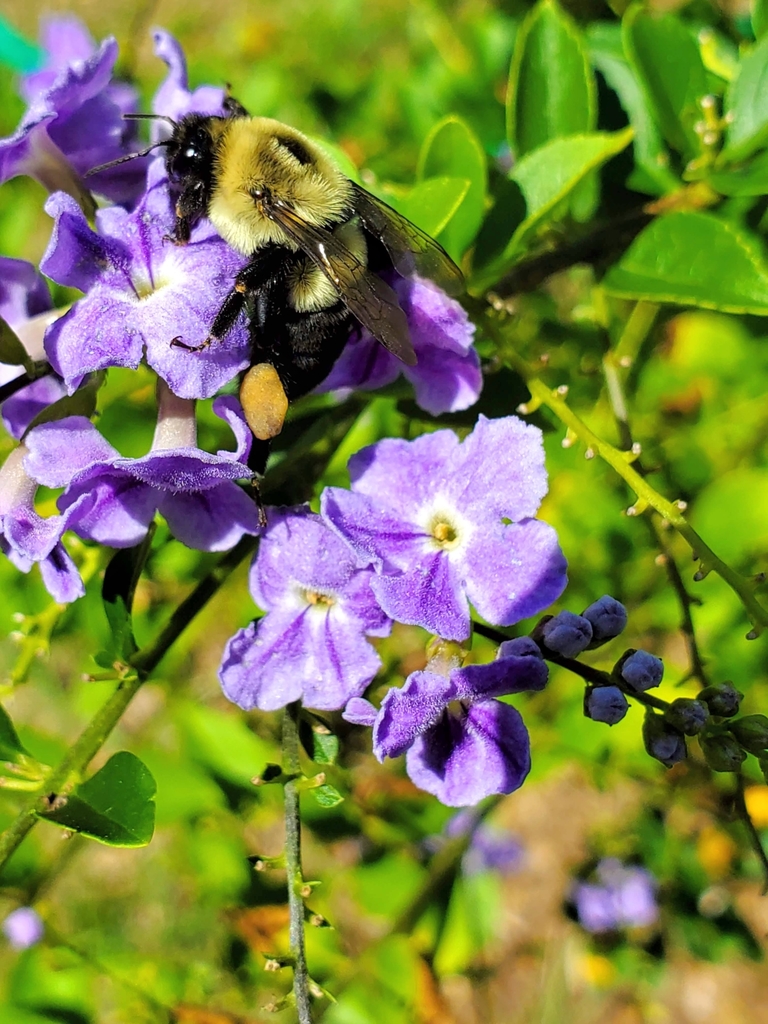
x,y
150,117
125,159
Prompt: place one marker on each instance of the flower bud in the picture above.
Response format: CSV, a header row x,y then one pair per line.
x,y
662,741
722,753
688,715
520,647
640,670
722,699
605,704
752,733
565,634
608,618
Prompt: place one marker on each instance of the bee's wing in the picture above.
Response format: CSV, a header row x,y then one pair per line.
x,y
411,250
366,296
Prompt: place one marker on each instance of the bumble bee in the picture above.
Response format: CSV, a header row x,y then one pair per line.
x,y
316,243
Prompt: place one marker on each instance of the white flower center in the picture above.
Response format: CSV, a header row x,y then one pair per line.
x,y
445,527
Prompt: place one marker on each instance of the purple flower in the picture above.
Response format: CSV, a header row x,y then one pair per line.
x,y
26,538
445,522
194,490
490,849
461,743
142,292
74,120
624,897
320,607
447,376
23,928
173,99
25,304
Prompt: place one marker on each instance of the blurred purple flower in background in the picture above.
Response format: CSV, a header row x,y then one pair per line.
x,y
311,644
622,897
491,848
461,743
173,98
447,376
74,119
23,928
142,292
445,522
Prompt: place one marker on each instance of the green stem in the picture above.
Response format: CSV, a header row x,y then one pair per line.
x,y
647,496
587,672
292,766
65,776
754,835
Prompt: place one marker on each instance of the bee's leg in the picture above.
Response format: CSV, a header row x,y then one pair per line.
x,y
232,108
190,206
251,279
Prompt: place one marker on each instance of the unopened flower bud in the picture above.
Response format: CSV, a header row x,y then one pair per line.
x,y
565,634
608,618
687,715
722,699
752,733
722,753
640,670
662,741
520,647
605,704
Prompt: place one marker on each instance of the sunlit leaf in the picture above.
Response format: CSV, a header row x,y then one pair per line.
x,y
694,259
664,54
115,806
747,106
433,203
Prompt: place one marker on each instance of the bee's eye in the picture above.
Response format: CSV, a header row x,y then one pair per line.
x,y
191,153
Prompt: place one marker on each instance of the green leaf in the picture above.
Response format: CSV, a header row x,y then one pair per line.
x,y
82,403
10,744
551,84
325,747
546,177
433,203
759,17
452,150
506,214
666,59
751,179
694,259
746,105
115,806
12,350
651,155
117,591
327,796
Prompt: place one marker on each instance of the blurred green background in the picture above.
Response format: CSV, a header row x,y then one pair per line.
x,y
185,923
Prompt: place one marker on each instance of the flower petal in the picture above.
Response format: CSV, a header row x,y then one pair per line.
x,y
497,678
62,448
213,520
120,511
513,571
430,596
461,761
61,577
378,538
409,711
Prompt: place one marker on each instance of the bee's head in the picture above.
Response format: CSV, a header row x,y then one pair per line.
x,y
189,151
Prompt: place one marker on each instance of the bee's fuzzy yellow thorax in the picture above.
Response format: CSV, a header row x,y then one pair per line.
x,y
257,153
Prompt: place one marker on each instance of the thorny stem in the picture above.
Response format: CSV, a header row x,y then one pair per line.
x,y
647,496
292,766
754,836
622,356
64,777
